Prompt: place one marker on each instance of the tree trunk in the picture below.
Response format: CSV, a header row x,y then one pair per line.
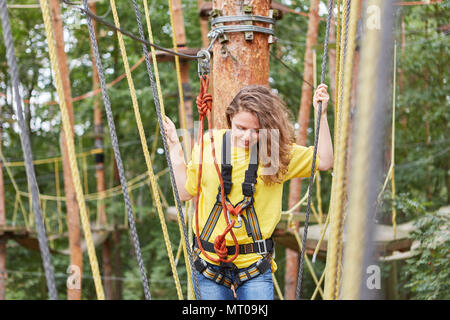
x,y
204,28
238,62
301,139
180,37
117,266
73,220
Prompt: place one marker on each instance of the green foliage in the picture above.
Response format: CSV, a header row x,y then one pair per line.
x,y
427,274
422,155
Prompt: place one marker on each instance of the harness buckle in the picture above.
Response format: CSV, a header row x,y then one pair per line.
x,y
200,264
262,246
248,189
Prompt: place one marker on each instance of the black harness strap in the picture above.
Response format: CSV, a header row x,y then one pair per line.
x,y
261,246
248,189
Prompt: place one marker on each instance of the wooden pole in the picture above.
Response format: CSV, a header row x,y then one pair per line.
x,y
2,224
73,220
238,62
100,170
180,37
301,138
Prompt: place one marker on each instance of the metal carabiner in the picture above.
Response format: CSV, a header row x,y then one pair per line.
x,y
239,219
203,62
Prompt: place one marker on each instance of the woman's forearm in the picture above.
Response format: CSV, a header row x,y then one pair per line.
x,y
325,145
179,170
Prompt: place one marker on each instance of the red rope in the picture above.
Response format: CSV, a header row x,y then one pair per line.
x,y
204,103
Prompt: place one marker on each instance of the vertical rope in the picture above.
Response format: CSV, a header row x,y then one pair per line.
x,y
340,158
364,184
337,222
340,44
311,179
117,155
394,85
145,147
166,149
277,287
187,146
71,150
186,139
26,148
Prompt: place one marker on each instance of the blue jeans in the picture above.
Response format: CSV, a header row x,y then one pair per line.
x,y
258,288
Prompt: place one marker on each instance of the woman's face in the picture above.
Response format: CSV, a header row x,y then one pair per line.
x,y
244,129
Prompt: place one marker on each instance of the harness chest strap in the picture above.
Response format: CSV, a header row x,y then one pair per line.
x,y
245,206
260,246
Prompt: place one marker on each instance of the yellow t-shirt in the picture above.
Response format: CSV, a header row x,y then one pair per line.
x,y
267,198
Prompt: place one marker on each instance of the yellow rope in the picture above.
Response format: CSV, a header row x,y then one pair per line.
x,y
339,56
155,140
332,283
137,114
71,150
322,235
277,287
53,159
163,198
319,199
58,194
301,202
186,141
358,193
316,216
16,188
318,286
308,263
85,175
15,209
132,184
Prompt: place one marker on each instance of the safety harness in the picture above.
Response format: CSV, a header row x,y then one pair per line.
x,y
244,210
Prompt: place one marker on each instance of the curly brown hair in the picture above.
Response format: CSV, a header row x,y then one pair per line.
x,y
272,113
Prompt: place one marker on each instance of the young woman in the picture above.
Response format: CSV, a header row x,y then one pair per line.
x,y
257,154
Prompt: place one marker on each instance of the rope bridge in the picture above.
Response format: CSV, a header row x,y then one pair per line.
x,y
346,37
